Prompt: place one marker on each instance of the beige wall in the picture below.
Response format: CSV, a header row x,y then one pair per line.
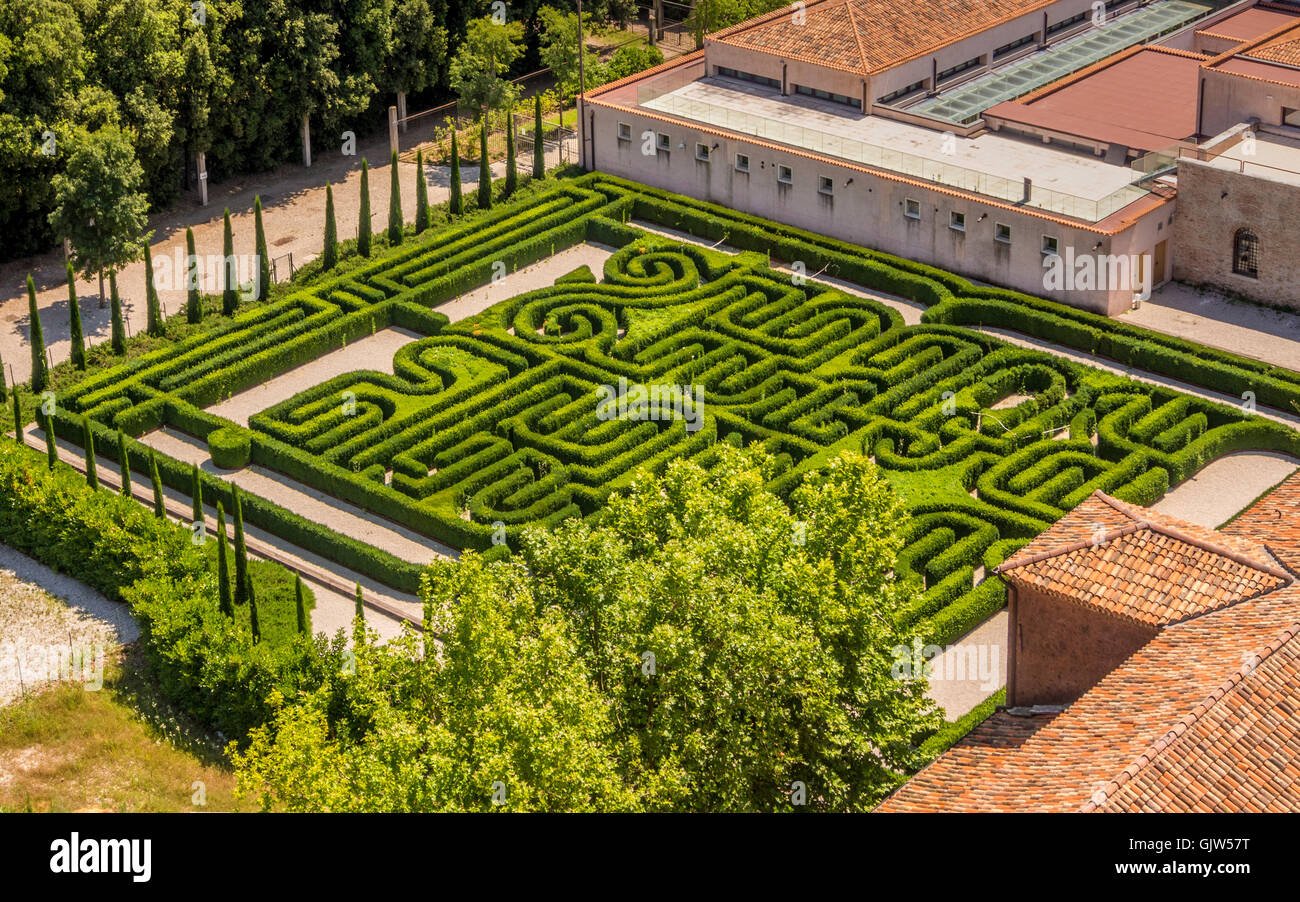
x,y
1227,99
870,211
1208,221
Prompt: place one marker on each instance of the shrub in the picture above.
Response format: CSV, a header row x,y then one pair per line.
x,y
230,447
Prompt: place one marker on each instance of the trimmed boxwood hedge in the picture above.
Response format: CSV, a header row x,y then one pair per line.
x,y
230,447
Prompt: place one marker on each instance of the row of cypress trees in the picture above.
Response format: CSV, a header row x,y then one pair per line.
x,y
330,252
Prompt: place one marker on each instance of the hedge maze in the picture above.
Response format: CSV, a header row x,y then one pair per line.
x,y
491,424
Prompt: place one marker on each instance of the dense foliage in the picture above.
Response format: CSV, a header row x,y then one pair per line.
x,y
704,647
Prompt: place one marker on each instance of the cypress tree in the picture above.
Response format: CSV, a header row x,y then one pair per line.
x,y
124,459
539,151
119,328
153,310
229,293
40,370
263,257
196,493
484,169
330,254
421,195
88,442
4,384
457,205
193,300
223,566
394,205
359,620
512,171
51,449
241,554
78,353
159,500
301,604
363,223
18,419
252,613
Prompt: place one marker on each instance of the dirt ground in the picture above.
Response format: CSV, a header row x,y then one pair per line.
x,y
293,214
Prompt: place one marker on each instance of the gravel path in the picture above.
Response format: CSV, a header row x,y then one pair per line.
x,y
956,682
539,275
374,352
1226,486
44,616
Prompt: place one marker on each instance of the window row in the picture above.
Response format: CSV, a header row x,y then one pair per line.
x,y
749,76
1001,231
855,102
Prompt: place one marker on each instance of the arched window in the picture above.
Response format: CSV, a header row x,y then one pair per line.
x,y
1245,253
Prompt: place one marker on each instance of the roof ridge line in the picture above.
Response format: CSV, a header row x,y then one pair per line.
x,y
1250,44
857,37
1184,723
1204,544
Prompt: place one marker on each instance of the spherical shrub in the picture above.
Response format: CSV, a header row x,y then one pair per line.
x,y
231,447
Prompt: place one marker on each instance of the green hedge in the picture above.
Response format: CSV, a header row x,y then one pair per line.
x,y
230,447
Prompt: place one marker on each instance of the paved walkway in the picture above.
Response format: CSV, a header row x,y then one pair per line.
x,y
1213,319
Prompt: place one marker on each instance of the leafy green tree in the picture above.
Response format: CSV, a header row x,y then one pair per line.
x,y
363,220
40,367
478,69
330,254
153,309
77,341
193,277
263,255
484,169
539,148
124,463
159,499
394,204
631,59
456,204
229,289
558,49
421,194
88,443
224,599
118,327
98,203
417,49
713,643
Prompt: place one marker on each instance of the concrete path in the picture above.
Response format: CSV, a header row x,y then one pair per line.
x,y
1213,319
971,668
1225,487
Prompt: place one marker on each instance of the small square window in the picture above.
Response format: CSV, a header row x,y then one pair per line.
x,y
1002,233
826,184
624,132
664,142
742,162
1051,246
702,152
957,221
785,175
912,208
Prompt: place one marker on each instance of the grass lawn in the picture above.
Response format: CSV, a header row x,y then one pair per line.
x,y
120,748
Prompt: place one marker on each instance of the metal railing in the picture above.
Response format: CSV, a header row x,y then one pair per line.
x,y
662,99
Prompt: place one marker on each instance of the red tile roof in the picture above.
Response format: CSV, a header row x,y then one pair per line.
x,y
1204,717
869,36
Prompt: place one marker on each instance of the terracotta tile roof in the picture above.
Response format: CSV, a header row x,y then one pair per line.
x,y
869,36
1152,569
1204,717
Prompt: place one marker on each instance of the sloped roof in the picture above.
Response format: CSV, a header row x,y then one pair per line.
x,y
1149,568
1204,717
869,36
1283,49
